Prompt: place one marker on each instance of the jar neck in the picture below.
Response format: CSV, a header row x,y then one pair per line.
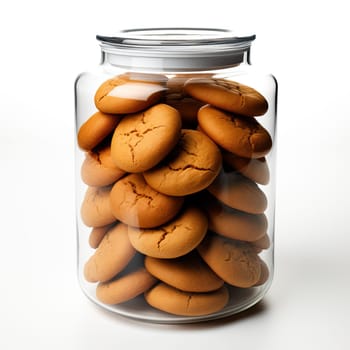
x,y
174,64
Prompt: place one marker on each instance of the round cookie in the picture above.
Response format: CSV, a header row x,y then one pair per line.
x,y
98,168
137,204
97,234
190,167
233,223
254,169
129,93
242,136
228,95
111,256
238,192
236,263
188,273
176,238
95,209
174,301
143,139
96,129
125,288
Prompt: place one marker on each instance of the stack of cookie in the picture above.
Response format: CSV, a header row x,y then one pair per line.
x,y
172,167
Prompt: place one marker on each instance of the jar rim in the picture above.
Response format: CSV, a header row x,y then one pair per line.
x,y
178,47
172,36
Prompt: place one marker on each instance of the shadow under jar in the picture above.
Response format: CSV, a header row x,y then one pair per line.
x,y
175,181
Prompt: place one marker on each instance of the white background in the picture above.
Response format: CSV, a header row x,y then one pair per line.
x,y
44,45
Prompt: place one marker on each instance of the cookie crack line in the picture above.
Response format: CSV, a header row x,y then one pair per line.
x,y
139,195
140,134
165,233
189,166
188,302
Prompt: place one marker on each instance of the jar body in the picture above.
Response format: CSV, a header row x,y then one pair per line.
x,y
176,193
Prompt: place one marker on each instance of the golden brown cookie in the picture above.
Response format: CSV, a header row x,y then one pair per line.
x,y
192,166
240,135
98,168
126,287
129,93
96,210
254,169
228,95
97,234
143,139
188,273
233,223
174,301
176,238
96,129
238,192
137,204
111,256
235,262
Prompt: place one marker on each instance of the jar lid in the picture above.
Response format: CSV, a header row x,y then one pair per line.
x,y
176,48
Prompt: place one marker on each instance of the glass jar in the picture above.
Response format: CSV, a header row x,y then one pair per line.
x,y
175,177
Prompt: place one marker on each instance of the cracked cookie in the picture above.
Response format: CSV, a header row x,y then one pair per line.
x,y
240,135
112,255
137,204
125,288
190,167
188,273
96,129
228,95
130,93
142,140
98,168
176,238
235,262
177,302
238,192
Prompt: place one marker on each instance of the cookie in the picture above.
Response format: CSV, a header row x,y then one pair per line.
x,y
190,167
98,168
95,209
176,238
243,136
143,139
111,256
236,263
171,300
97,234
254,169
137,204
129,93
96,129
188,273
125,288
238,192
228,95
264,275
233,223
